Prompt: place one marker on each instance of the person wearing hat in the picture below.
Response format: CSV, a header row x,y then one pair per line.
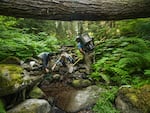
x,y
45,57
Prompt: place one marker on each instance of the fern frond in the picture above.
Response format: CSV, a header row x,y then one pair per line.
x,y
95,75
129,62
119,71
147,72
136,48
136,45
147,57
134,40
100,63
105,77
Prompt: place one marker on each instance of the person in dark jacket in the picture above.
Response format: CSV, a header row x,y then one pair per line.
x,y
45,57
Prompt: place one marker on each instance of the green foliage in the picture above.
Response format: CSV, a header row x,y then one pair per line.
x,y
15,42
106,101
28,37
147,72
24,45
2,109
136,27
36,26
119,60
102,29
138,81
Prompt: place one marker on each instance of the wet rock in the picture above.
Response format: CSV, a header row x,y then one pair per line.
x,y
57,110
77,74
131,100
82,70
81,83
11,60
83,98
56,76
27,60
32,106
36,93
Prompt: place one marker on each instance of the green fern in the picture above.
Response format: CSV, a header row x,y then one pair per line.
x,y
105,102
147,72
119,71
95,76
105,77
121,59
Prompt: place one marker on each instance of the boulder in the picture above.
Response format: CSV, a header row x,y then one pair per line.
x,y
131,100
11,60
76,100
13,79
32,106
10,77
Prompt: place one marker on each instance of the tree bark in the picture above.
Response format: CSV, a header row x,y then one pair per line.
x,y
76,9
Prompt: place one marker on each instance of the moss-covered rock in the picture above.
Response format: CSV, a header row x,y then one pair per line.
x,y
10,78
131,100
81,83
36,93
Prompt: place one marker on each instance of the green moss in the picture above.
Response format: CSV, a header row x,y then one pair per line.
x,y
10,74
76,83
10,78
81,83
139,98
132,97
36,93
11,67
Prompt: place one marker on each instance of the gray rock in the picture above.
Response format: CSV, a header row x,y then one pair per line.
x,y
83,98
32,106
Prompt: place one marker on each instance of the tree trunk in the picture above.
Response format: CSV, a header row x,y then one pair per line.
x,y
76,9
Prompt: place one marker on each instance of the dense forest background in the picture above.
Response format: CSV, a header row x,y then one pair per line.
x,y
122,47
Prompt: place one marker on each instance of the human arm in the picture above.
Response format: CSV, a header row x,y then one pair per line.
x,y
80,47
47,70
82,51
53,67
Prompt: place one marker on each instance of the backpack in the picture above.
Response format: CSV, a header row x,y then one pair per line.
x,y
89,46
87,42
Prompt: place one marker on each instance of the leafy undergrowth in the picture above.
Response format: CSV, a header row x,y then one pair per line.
x,y
123,61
